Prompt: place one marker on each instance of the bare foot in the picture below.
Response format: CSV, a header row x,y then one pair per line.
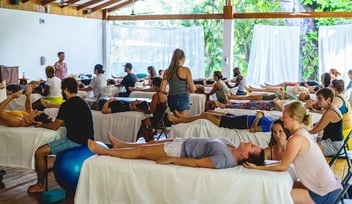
x,y
97,149
36,188
116,143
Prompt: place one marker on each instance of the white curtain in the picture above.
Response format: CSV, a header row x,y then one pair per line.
x,y
144,46
335,49
274,55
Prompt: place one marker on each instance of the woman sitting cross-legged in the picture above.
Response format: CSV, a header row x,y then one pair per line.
x,y
255,123
216,153
21,118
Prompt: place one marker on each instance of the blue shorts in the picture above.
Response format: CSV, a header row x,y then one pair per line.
x,y
178,102
61,145
325,199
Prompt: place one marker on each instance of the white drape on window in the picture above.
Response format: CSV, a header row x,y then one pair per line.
x,y
144,46
274,55
335,49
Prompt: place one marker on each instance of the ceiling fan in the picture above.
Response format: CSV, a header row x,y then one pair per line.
x,y
133,13
62,3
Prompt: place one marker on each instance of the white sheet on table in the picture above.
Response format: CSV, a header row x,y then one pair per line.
x,y
18,144
197,100
273,114
112,180
205,128
19,103
124,125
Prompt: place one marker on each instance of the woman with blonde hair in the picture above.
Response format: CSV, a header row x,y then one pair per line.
x,y
52,90
317,182
180,83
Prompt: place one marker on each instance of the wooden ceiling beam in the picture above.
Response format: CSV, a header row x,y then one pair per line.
x,y
235,16
69,3
166,17
45,2
294,15
104,5
89,3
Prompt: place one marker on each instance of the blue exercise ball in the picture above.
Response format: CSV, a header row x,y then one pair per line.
x,y
68,164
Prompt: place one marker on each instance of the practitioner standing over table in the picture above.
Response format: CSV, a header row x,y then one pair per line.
x,y
61,66
180,83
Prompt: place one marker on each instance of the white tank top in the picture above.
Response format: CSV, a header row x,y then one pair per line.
x,y
313,170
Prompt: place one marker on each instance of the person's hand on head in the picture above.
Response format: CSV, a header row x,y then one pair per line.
x,y
249,165
38,124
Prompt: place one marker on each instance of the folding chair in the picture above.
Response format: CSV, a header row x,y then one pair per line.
x,y
343,152
161,125
345,186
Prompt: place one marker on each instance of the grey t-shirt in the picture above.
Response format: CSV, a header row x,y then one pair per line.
x,y
215,148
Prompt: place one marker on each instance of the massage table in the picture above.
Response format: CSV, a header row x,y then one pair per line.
x,y
205,128
124,125
105,179
197,100
18,144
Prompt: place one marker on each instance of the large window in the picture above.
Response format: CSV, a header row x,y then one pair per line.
x,y
145,46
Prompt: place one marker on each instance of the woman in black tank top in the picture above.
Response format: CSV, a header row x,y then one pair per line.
x,y
179,79
157,107
330,123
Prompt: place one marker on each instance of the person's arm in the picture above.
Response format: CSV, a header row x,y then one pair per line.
x,y
191,86
254,126
294,146
106,108
52,126
323,122
277,104
27,103
201,163
238,80
216,86
164,83
154,103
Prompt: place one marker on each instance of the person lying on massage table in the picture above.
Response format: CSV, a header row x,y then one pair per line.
x,y
255,123
115,106
21,118
216,153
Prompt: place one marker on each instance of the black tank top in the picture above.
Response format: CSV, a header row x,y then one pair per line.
x,y
333,131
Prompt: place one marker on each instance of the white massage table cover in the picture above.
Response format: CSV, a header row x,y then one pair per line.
x,y
18,144
109,180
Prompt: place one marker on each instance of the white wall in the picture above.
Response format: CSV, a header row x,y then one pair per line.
x,y
23,40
